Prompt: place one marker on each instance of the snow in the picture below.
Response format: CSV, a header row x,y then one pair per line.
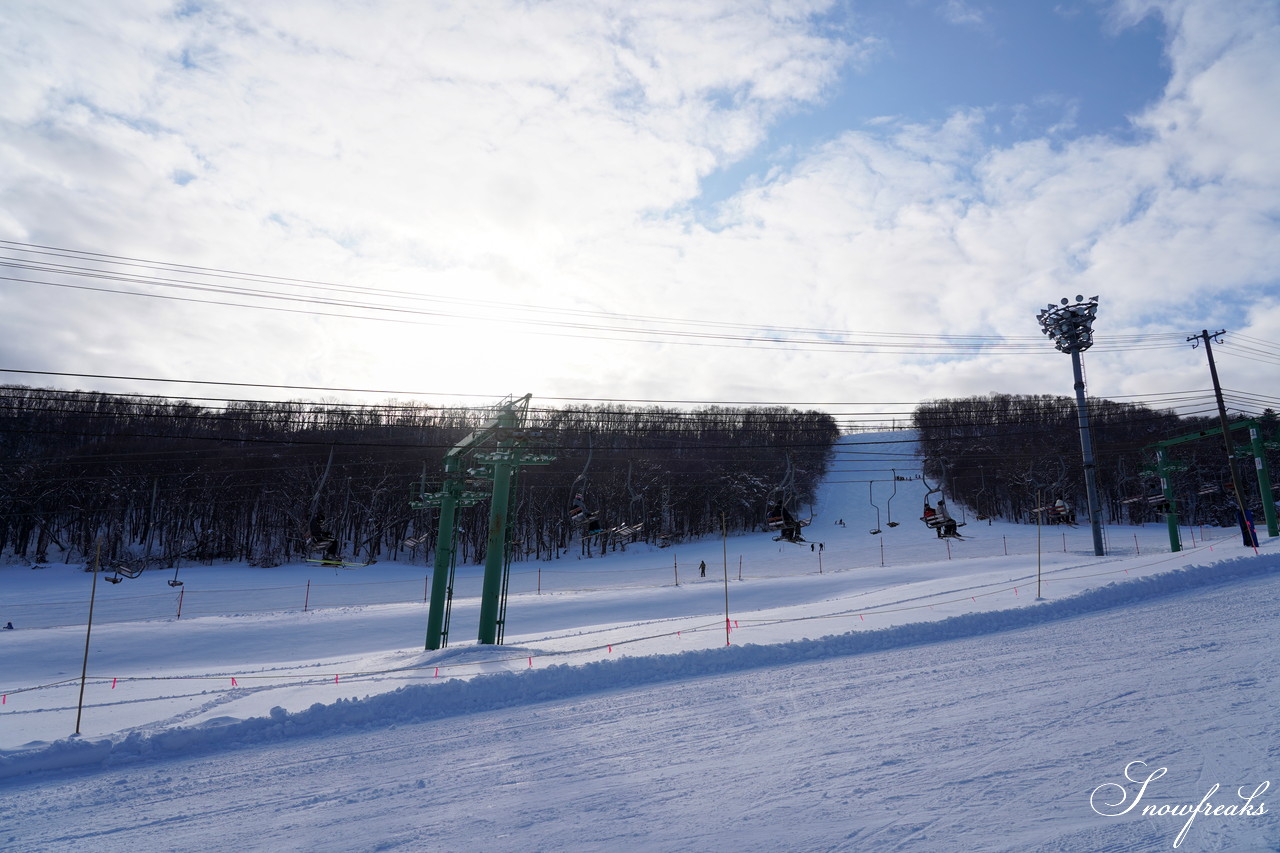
x,y
883,692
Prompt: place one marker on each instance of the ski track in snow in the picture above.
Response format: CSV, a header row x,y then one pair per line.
x,y
968,743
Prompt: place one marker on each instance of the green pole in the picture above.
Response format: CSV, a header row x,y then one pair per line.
x,y
437,630
1166,487
1264,479
491,592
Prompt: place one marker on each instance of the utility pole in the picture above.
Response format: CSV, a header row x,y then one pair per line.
x,y
1205,337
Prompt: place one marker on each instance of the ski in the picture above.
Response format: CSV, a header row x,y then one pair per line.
x,y
340,564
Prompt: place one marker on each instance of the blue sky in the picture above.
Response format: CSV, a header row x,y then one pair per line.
x,y
1060,70
1008,56
640,200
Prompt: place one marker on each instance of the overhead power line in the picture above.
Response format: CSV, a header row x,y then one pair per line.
x,y
122,275
878,408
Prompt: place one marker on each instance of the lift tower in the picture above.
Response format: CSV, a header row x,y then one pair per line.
x,y
467,467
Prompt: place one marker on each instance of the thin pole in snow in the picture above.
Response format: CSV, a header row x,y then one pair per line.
x,y
84,669
726,604
726,579
1039,502
724,538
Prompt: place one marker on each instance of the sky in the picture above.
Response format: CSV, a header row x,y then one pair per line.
x,y
858,205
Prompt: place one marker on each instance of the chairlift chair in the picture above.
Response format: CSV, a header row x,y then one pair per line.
x,y
938,518
888,507
787,525
871,500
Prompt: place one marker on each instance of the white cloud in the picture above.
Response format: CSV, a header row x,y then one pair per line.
x,y
549,154
962,12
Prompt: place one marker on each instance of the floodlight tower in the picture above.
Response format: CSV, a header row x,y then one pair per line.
x,y
1071,328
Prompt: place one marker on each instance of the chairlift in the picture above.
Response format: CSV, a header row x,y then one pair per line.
x,y
787,525
937,518
635,509
778,517
981,504
579,515
124,570
888,507
871,500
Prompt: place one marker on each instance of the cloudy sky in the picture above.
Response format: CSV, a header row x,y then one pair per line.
x,y
858,203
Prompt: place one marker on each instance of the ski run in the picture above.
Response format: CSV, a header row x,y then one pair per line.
x,y
882,692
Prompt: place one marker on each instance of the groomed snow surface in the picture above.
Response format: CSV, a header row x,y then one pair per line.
x,y
881,692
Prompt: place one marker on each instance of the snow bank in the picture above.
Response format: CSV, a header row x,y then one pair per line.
x,y
418,703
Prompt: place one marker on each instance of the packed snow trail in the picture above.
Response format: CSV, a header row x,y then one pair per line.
x,y
990,743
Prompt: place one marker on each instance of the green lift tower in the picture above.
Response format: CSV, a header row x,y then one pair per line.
x,y
1257,449
469,465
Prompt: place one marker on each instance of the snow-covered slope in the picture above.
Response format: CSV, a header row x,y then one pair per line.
x,y
880,692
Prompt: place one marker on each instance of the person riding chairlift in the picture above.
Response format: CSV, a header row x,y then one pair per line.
x,y
940,520
322,537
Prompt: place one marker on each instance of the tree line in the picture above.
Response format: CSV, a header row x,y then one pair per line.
x,y
1004,455
150,481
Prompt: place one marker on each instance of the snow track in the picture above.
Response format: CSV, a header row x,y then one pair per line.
x,y
924,744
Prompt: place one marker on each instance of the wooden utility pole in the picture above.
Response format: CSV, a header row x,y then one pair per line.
x,y
1245,531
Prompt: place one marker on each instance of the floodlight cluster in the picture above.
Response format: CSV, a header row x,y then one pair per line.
x,y
1070,325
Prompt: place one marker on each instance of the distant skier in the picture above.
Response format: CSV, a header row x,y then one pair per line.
x,y
702,569
8,626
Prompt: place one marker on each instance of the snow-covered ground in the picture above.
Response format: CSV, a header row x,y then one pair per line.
x,y
878,692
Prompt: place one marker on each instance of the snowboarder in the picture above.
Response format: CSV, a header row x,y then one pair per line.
x,y
702,569
8,626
